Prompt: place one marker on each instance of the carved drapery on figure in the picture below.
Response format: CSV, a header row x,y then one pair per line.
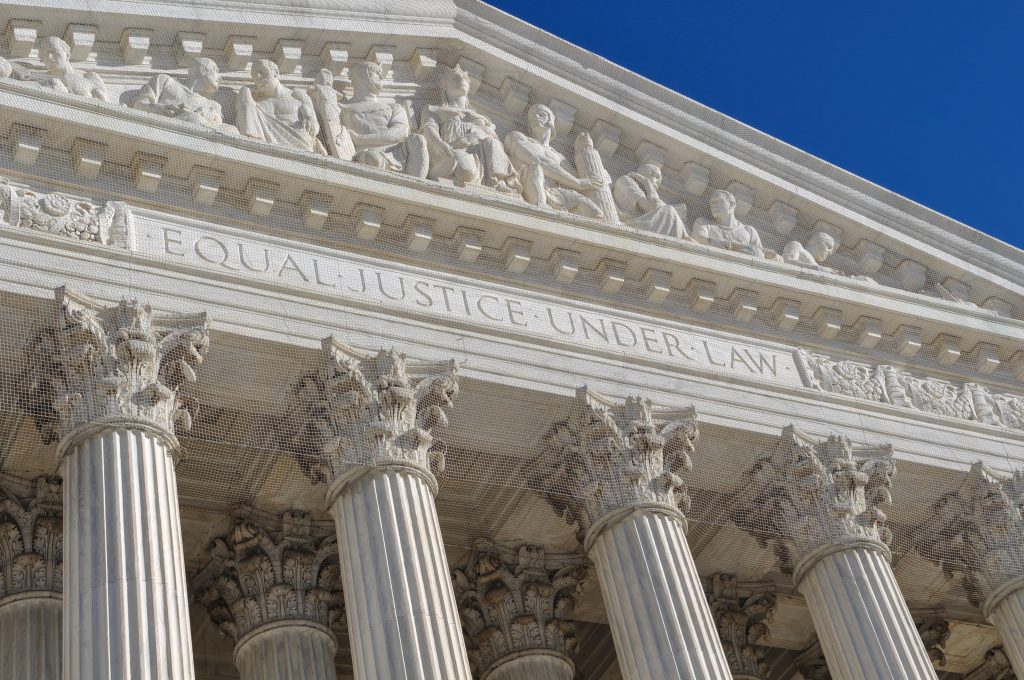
x,y
360,411
639,204
805,494
742,625
111,223
608,457
97,364
190,102
723,230
516,600
259,576
891,385
32,541
273,113
63,77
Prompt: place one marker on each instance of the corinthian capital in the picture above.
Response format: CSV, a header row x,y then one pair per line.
x,y
607,457
258,576
98,364
978,531
359,411
515,600
742,624
805,495
32,541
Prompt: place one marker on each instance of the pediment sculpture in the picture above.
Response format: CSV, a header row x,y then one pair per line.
x,y
818,249
723,230
274,113
192,102
63,77
639,205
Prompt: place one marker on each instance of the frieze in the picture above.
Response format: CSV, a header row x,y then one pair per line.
x,y
110,223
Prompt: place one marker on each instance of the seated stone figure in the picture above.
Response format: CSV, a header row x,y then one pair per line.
x,y
375,132
817,250
462,143
276,114
64,77
640,206
327,103
542,170
724,230
191,103
9,69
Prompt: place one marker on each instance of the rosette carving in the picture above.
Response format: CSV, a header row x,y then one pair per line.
x,y
257,577
742,625
32,541
805,494
99,364
111,223
605,457
517,600
360,410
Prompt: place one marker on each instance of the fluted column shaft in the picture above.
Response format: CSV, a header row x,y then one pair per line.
x,y
31,636
863,623
402,616
659,616
533,665
287,650
125,600
1006,612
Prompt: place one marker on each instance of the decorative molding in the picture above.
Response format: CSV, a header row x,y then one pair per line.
x,y
895,386
934,634
258,577
96,364
742,625
517,600
984,520
607,457
32,541
360,411
110,223
806,494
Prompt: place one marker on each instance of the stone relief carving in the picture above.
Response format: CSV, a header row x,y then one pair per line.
x,y
742,624
360,410
63,77
111,223
818,249
984,519
101,364
375,132
13,70
639,205
891,385
258,576
190,102
463,144
724,230
516,600
32,540
934,634
606,457
805,494
273,113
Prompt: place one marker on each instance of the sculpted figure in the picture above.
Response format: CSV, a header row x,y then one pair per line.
x,y
191,103
327,102
64,77
817,250
542,170
9,69
463,144
375,132
274,113
636,196
724,230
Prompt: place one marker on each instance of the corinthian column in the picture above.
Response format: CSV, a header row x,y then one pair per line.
x,y
818,505
613,471
106,385
978,531
742,624
276,594
31,580
366,423
517,606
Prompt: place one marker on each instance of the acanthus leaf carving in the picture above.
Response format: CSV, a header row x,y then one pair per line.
x,y
111,223
32,541
107,364
807,494
935,633
742,623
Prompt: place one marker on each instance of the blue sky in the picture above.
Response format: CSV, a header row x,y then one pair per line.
x,y
923,98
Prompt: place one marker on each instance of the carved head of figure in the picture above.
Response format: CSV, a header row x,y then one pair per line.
x,y
265,76
652,172
367,78
541,121
821,245
723,207
456,85
56,55
324,77
205,74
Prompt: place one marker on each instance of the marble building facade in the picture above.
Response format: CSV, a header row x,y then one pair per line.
x,y
353,339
